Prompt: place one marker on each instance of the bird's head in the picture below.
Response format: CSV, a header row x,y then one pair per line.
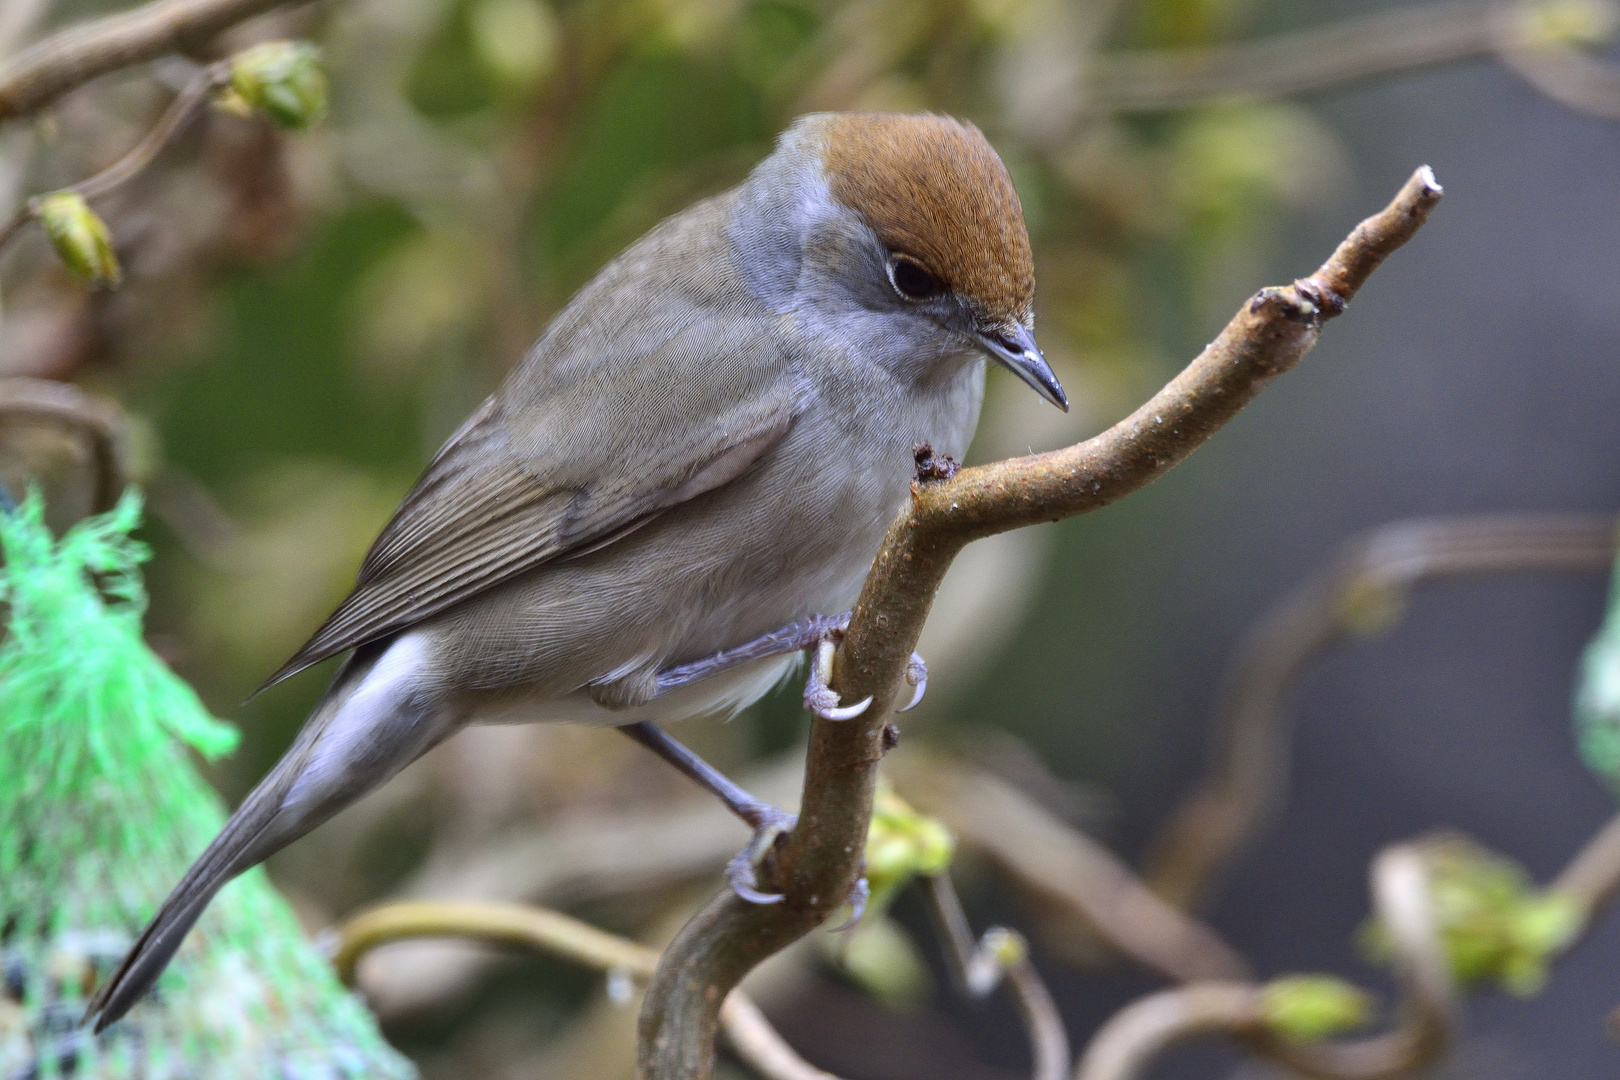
x,y
944,236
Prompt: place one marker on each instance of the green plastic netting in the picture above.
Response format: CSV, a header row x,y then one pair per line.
x,y
101,811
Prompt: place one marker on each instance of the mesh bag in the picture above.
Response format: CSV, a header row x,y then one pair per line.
x,y
101,812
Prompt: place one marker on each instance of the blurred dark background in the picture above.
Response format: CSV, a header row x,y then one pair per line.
x,y
306,318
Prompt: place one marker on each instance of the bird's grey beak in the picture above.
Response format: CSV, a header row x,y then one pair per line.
x,y
1016,349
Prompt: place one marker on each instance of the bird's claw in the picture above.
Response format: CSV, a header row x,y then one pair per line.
x,y
917,676
821,699
859,894
741,874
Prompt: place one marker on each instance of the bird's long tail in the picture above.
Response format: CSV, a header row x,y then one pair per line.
x,y
371,723
238,847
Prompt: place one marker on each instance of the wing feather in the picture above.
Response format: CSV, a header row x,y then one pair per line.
x,y
573,466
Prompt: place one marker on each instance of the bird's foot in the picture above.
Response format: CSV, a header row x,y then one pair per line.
x,y
823,701
819,698
859,894
917,676
742,871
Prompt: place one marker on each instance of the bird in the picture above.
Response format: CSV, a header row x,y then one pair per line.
x,y
679,487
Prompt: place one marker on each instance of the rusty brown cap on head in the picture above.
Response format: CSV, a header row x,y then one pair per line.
x,y
932,188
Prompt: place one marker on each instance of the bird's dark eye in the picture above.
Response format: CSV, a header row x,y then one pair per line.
x,y
911,280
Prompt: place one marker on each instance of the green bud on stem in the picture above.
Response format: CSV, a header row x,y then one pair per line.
x,y
283,80
79,236
1309,1008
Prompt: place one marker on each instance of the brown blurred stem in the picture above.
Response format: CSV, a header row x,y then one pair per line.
x,y
817,865
1426,1019
1051,860
751,1035
181,112
1048,1042
101,422
1592,877
50,68
1136,1035
1362,591
1400,39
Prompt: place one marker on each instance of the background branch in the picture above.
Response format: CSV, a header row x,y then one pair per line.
x,y
1400,39
50,68
100,423
1362,591
1127,1044
1048,1042
747,1029
181,112
818,864
1096,891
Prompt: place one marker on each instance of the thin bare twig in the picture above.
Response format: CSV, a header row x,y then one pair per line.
x,y
1125,1046
1048,1042
1362,590
1426,1020
1401,39
101,423
757,1043
48,69
1358,48
1592,877
751,1035
181,112
1060,864
1136,1035
1568,76
817,865
17,20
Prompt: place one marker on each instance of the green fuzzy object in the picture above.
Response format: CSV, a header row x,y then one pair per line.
x,y
1597,696
101,812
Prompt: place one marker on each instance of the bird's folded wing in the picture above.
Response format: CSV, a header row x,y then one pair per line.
x,y
564,460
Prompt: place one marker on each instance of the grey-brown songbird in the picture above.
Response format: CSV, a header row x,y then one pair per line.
x,y
679,487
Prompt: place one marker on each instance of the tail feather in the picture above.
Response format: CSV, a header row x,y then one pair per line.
x,y
354,741
235,849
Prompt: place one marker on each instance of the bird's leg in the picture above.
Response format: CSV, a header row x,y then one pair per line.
x,y
766,820
820,633
795,637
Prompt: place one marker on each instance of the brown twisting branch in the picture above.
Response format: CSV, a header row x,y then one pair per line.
x,y
751,1035
1426,1019
1050,859
1125,1046
45,71
1136,1035
101,423
1362,591
817,865
977,969
1401,39
1360,48
1593,876
1128,1043
1568,76
181,112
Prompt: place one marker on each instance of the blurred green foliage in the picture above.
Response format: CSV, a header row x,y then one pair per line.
x,y
1495,925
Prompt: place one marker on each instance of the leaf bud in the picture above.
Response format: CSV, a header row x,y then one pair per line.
x,y
79,236
281,79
